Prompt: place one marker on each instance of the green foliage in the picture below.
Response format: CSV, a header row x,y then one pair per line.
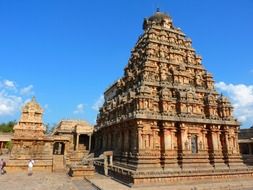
x,y
7,127
9,145
50,128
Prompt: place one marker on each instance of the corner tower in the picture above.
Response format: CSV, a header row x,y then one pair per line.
x,y
164,114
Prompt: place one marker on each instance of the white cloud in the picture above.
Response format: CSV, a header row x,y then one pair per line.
x,y
79,109
9,104
8,84
27,91
241,96
10,100
99,103
46,106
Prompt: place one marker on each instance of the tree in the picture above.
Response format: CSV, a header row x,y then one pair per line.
x,y
50,128
7,127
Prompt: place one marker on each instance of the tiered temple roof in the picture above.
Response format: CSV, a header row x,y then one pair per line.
x,y
31,122
165,80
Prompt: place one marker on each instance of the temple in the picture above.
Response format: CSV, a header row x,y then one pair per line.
x,y
79,134
164,118
69,143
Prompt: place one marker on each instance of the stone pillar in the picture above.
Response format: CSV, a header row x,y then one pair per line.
x,y
130,140
237,141
182,144
122,140
1,147
106,165
174,139
126,141
151,137
217,156
140,140
169,154
134,140
214,139
109,136
166,138
77,140
112,140
89,142
111,160
118,141
104,140
226,140
205,143
183,138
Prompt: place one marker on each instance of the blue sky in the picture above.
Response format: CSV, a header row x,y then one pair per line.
x,y
67,53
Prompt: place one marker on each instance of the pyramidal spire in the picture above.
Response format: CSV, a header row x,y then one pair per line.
x,y
165,101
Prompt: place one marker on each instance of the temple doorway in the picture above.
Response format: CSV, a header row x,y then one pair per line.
x,y
58,156
83,142
194,144
59,148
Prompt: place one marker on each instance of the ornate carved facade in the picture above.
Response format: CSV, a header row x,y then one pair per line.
x,y
30,124
164,114
69,143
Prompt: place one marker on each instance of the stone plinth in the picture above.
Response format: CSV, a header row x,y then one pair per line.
x,y
22,165
81,171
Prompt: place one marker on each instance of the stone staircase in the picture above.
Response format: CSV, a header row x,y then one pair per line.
x,y
77,156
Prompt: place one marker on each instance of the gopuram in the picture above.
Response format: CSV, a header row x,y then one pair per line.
x,y
164,120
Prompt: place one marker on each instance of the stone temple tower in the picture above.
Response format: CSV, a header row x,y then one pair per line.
x,y
30,124
164,116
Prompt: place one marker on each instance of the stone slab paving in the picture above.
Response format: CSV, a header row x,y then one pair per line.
x,y
42,181
60,181
106,183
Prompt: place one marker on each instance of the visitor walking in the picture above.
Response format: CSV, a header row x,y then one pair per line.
x,y
30,167
2,166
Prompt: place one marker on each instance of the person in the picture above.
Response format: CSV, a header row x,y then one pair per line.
x,y
30,167
2,166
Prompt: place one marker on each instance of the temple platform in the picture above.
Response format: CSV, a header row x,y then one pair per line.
x,y
151,177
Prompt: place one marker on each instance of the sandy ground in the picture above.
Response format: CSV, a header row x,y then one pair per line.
x,y
60,181
38,181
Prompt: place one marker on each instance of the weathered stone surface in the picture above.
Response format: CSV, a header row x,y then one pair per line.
x,y
164,114
30,124
246,145
70,142
81,171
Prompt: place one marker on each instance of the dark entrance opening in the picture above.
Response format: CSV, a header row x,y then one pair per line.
x,y
84,142
59,148
194,144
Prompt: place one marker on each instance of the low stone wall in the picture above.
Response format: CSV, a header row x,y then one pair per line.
x,y
139,180
81,171
248,159
22,165
148,177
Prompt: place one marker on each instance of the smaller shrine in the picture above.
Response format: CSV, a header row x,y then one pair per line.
x,y
5,139
30,124
246,145
79,134
69,143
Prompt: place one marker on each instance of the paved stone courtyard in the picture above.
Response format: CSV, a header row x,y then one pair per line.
x,y
42,181
60,181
